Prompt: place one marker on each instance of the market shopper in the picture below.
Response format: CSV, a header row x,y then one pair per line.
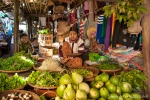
x,y
72,45
25,44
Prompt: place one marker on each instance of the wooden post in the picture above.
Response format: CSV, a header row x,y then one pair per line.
x,y
91,13
16,26
29,27
146,45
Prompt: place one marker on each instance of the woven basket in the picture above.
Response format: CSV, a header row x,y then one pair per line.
x,y
45,39
41,87
59,9
34,96
16,71
91,68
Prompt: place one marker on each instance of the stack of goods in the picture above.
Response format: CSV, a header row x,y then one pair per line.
x,y
104,87
51,65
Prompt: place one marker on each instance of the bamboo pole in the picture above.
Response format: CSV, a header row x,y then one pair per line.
x,y
146,45
16,25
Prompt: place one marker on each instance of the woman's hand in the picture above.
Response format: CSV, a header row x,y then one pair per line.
x,y
65,60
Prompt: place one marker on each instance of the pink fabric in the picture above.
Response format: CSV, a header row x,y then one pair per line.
x,y
86,5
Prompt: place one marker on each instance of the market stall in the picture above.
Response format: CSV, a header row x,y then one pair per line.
x,y
88,56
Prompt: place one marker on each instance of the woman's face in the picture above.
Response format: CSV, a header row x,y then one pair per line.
x,y
24,39
73,35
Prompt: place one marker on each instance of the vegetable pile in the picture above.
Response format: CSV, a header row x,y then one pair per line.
x,y
83,72
104,87
17,96
9,83
135,77
20,61
44,78
108,66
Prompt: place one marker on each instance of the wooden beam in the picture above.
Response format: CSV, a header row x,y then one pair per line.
x,y
107,0
16,26
146,45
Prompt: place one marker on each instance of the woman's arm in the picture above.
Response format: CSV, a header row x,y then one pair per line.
x,y
81,46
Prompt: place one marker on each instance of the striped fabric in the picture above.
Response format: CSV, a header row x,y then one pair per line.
x,y
99,37
100,19
81,29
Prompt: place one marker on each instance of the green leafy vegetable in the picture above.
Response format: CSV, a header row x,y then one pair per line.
x,y
44,78
20,61
83,72
9,83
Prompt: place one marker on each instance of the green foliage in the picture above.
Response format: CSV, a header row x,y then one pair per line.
x,y
9,83
108,66
93,56
135,77
83,72
45,31
125,10
20,61
44,78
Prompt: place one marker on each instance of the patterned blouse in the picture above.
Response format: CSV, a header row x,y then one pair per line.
x,y
27,47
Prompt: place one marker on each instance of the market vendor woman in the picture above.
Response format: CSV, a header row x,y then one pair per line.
x,y
72,45
25,44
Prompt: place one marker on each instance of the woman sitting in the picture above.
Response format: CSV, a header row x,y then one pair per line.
x,y
25,44
72,45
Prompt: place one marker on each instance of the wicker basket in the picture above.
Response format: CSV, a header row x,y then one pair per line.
x,y
91,68
34,96
45,39
16,71
42,87
59,9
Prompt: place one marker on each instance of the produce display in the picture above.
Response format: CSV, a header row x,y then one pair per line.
x,y
108,66
9,83
17,96
135,77
84,72
103,87
44,78
20,61
51,65
45,31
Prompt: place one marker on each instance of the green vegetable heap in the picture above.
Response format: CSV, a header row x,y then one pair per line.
x,y
83,72
20,61
135,77
9,83
108,66
45,79
45,31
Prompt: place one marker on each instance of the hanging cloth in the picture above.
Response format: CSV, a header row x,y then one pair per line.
x,y
99,37
113,24
81,29
104,26
108,33
42,21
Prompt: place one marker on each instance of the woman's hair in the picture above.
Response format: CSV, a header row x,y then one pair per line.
x,y
23,34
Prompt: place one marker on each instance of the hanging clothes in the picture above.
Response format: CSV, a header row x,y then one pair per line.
x,y
104,26
113,24
81,29
122,37
99,37
108,33
86,26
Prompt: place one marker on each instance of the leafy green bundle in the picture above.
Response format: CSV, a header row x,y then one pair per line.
x,y
9,83
44,78
83,72
108,66
135,77
20,61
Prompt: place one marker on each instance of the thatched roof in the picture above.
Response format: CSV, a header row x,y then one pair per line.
x,y
41,7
